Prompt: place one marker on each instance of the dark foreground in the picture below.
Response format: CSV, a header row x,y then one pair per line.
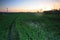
x,y
29,26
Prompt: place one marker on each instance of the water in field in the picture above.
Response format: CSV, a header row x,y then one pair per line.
x,y
30,26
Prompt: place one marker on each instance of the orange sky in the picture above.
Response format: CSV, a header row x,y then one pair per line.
x,y
31,6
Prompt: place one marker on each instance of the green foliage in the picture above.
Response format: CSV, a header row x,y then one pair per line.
x,y
30,26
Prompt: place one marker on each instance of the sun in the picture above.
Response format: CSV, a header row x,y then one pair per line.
x,y
42,8
46,8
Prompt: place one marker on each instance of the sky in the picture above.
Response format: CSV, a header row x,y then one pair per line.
x,y
28,5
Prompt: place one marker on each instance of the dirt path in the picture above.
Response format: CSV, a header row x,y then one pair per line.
x,y
13,33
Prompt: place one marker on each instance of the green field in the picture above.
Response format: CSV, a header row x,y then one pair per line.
x,y
29,26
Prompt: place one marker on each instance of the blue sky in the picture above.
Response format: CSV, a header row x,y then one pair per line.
x,y
14,3
28,4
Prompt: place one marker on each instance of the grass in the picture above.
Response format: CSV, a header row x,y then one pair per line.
x,y
31,26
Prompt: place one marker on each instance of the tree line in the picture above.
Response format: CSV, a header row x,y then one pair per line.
x,y
54,11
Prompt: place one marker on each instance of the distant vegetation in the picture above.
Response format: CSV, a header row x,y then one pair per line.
x,y
55,11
